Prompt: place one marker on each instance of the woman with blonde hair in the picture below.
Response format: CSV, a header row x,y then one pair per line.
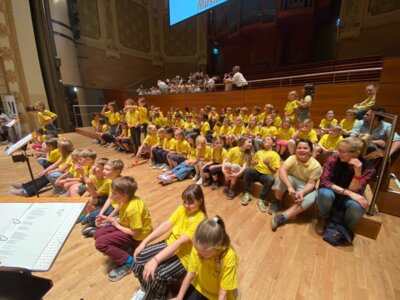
x,y
343,182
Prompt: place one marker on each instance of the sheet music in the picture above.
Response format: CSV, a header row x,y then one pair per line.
x,y
22,142
32,234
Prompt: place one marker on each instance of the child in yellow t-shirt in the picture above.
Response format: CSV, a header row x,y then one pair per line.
x,y
327,122
52,154
46,119
213,265
305,132
213,169
283,135
150,140
236,161
291,105
349,122
330,141
127,231
203,156
168,260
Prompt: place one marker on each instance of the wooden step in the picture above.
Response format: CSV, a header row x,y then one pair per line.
x,y
86,131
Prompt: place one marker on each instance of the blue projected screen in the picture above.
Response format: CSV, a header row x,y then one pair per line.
x,y
180,10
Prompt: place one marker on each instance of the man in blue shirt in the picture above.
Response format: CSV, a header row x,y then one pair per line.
x,y
380,132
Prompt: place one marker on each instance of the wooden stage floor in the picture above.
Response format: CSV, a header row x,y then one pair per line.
x,y
292,263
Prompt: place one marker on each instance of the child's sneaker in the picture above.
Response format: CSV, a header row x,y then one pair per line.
x,y
261,206
200,181
119,273
246,199
214,185
207,182
139,295
156,166
273,206
278,219
196,177
89,231
165,169
166,179
162,166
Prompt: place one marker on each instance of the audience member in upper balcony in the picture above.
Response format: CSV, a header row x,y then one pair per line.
x,y
380,133
303,105
209,84
163,87
238,81
367,104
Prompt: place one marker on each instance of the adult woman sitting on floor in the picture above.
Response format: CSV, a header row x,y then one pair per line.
x,y
298,175
343,182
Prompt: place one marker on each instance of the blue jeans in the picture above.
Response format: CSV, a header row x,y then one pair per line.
x,y
327,198
92,216
182,171
52,177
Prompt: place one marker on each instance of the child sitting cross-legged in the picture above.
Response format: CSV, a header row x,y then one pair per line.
x,y
132,227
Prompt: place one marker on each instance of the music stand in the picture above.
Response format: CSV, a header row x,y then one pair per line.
x,y
22,145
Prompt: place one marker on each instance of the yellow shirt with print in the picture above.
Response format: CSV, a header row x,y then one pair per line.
x,y
183,223
348,124
151,140
218,155
330,143
268,131
235,156
213,274
136,216
113,117
303,171
53,156
274,161
285,134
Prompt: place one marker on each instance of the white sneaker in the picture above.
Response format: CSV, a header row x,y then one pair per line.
x,y
200,181
139,295
196,177
162,166
165,169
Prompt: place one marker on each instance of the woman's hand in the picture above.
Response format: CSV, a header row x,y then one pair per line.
x,y
357,165
150,269
139,249
360,199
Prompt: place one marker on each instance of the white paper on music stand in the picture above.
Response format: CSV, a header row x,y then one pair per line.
x,y
22,142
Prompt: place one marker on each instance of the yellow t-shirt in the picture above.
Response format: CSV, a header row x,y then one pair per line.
x,y
182,147
285,134
348,125
290,109
218,155
179,123
235,156
126,132
245,118
67,161
192,155
183,223
303,171
113,117
253,131
330,143
327,124
274,161
53,156
188,125
159,122
136,216
268,131
169,144
94,123
151,140
259,118
168,122
311,135
236,131
143,115
44,116
102,185
204,153
224,130
205,127
213,274
132,117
